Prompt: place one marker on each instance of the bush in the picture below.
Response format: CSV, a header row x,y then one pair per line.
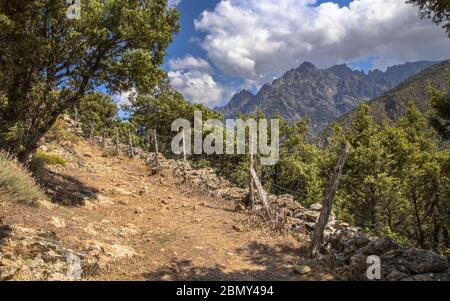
x,y
41,159
16,183
49,159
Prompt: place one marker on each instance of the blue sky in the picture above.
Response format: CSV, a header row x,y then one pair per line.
x,y
228,45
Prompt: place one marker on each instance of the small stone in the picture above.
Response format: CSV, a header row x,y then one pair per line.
x,y
396,275
316,207
310,226
237,228
302,269
138,210
123,202
57,223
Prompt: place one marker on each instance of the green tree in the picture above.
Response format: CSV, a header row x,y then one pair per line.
x,y
49,62
299,167
96,111
159,108
396,180
440,114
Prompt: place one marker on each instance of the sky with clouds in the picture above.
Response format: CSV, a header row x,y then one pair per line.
x,y
228,45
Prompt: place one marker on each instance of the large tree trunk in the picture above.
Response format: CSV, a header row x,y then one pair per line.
x,y
328,202
31,144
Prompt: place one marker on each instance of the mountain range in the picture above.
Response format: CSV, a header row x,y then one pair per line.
x,y
394,103
321,95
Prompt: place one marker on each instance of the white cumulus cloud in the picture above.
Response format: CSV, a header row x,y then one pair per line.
x,y
189,62
257,39
191,76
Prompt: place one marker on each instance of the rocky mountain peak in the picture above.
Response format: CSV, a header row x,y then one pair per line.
x,y
306,66
321,95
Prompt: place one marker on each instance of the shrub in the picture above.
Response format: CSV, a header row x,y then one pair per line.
x,y
16,183
41,159
49,159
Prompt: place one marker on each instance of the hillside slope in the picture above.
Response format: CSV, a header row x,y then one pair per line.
x,y
394,103
124,224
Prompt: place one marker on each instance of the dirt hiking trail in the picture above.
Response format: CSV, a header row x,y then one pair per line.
x,y
138,227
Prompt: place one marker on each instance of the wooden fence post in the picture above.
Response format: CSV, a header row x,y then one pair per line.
x,y
261,192
251,185
76,113
104,137
184,159
130,143
116,142
327,203
158,166
91,130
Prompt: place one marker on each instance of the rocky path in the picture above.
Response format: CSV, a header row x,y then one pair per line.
x,y
127,225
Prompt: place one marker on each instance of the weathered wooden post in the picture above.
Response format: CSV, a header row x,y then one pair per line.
x,y
105,133
116,142
76,113
184,159
91,130
250,179
155,136
130,143
261,192
327,203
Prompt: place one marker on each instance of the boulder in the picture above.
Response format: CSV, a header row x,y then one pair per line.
x,y
379,246
416,261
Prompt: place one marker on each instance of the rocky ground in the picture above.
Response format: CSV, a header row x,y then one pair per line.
x,y
114,218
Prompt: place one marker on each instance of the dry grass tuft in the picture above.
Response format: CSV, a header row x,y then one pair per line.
x,y
16,182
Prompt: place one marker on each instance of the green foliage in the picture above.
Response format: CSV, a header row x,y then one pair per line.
x,y
299,167
395,180
96,112
50,159
157,111
16,183
49,62
58,133
42,159
440,114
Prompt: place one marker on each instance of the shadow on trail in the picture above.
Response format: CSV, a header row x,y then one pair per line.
x,y
66,190
274,263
